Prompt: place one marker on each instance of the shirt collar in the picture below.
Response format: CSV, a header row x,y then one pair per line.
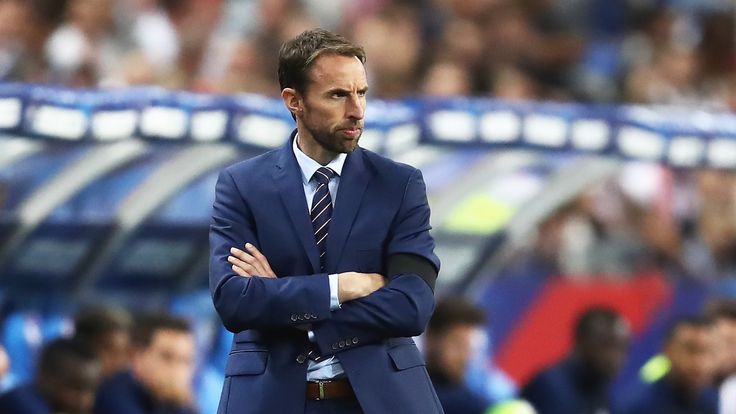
x,y
309,166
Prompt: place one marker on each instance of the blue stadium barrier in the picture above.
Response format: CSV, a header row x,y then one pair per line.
x,y
680,137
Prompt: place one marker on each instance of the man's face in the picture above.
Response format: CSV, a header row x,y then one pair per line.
x,y
74,391
114,352
691,351
725,330
167,365
333,105
605,351
455,348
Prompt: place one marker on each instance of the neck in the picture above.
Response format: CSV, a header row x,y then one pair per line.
x,y
309,146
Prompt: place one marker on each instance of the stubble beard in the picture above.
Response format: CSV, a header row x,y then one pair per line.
x,y
332,141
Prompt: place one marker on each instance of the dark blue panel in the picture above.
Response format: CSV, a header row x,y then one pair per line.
x,y
51,257
156,257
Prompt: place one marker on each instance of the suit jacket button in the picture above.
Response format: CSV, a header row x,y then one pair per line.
x,y
301,358
300,317
293,318
307,316
342,344
334,346
355,341
314,316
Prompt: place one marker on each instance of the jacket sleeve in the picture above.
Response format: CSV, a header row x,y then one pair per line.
x,y
403,307
256,302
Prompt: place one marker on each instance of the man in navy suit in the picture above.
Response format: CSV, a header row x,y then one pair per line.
x,y
321,259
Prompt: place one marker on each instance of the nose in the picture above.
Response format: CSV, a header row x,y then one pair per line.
x,y
355,107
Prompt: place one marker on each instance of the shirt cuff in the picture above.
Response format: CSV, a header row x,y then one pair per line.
x,y
334,299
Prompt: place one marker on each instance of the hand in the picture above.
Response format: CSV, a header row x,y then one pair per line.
x,y
354,285
251,263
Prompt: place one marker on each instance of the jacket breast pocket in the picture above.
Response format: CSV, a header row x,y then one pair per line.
x,y
406,356
246,363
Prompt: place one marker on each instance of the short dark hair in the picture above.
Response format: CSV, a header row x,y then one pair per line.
x,y
60,355
592,319
721,308
92,323
146,326
454,311
297,55
691,321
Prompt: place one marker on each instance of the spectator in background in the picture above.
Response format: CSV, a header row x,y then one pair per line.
x,y
723,314
4,369
66,379
24,27
687,388
83,51
451,335
580,383
160,377
107,330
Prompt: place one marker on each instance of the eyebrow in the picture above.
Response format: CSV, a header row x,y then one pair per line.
x,y
345,91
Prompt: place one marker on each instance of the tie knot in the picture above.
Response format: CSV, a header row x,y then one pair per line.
x,y
323,175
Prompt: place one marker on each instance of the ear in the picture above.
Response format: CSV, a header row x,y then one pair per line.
x,y
292,100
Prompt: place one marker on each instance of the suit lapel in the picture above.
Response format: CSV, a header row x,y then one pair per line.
x,y
287,177
353,182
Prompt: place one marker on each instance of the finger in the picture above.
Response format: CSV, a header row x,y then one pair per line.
x,y
245,257
258,266
241,265
240,254
239,271
261,258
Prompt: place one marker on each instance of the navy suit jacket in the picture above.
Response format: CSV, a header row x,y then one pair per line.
x,y
663,397
380,210
567,388
25,399
123,394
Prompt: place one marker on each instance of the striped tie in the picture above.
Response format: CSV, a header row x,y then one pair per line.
x,y
321,212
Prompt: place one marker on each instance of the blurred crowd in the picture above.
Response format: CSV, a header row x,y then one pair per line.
x,y
647,51
112,363
694,372
645,219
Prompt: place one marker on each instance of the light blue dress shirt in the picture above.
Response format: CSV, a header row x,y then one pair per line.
x,y
329,368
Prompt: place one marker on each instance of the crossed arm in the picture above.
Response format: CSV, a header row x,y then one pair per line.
x,y
373,307
376,317
351,285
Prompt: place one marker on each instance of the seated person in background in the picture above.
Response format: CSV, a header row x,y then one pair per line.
x,y
688,386
448,346
4,369
107,330
580,383
66,379
723,314
162,366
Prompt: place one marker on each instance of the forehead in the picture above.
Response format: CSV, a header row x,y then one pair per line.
x,y
172,338
337,71
691,333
